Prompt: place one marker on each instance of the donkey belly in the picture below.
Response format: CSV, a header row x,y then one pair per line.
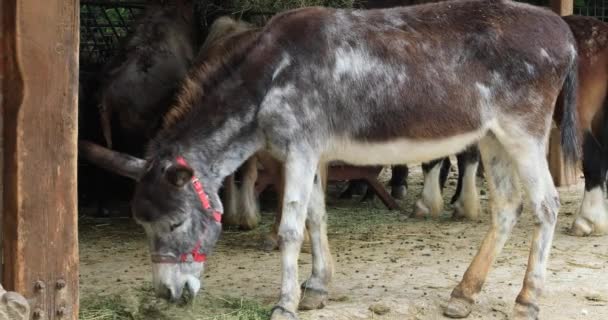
x,y
399,150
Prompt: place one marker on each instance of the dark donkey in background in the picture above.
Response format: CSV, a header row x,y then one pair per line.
x,y
136,86
361,86
139,85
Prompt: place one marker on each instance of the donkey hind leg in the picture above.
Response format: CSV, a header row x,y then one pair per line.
x,y
505,206
299,179
466,197
314,290
593,215
529,156
248,206
230,202
432,201
399,181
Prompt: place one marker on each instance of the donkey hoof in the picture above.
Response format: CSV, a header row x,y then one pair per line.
x,y
458,308
398,192
458,213
280,313
269,244
421,210
525,311
312,299
581,227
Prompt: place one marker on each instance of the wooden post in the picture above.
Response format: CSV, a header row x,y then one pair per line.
x,y
39,68
563,7
562,175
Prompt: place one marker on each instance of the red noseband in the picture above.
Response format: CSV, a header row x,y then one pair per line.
x,y
217,216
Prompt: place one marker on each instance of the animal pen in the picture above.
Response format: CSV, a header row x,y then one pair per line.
x,y
46,46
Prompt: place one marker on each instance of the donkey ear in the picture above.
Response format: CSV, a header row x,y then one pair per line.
x,y
119,163
178,174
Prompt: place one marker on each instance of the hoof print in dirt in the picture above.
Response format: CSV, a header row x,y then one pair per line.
x,y
312,299
280,313
457,308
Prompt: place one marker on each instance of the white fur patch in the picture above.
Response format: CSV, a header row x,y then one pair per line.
x,y
285,62
530,68
358,64
398,151
544,54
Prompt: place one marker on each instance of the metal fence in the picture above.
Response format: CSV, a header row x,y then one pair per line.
x,y
593,8
103,24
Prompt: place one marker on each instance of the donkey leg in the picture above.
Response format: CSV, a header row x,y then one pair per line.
x,y
299,179
248,205
593,215
431,202
230,216
399,181
315,288
466,198
544,200
505,206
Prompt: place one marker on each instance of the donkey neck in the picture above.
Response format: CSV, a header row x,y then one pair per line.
x,y
217,140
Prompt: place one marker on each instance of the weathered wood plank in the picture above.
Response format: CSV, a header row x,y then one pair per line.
x,y
563,7
40,92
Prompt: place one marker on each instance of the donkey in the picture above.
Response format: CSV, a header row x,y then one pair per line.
x,y
361,86
592,41
591,36
140,81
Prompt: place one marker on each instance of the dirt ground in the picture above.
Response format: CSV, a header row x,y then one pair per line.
x,y
401,268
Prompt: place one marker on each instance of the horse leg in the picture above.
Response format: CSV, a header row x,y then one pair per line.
x,y
248,205
506,206
355,187
399,181
466,197
446,165
593,216
315,288
431,202
300,170
230,216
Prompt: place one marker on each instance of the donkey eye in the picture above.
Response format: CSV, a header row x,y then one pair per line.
x,y
175,225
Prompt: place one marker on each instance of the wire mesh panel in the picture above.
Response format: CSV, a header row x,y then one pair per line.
x,y
103,24
593,8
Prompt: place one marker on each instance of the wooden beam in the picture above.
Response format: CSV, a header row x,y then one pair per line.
x,y
563,7
39,69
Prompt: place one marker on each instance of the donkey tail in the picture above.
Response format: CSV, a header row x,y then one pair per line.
x,y
569,127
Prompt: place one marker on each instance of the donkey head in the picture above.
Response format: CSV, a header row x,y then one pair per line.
x,y
176,213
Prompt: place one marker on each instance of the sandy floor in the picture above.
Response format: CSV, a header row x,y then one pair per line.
x,y
407,266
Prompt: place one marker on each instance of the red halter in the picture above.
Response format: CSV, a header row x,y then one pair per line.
x,y
217,216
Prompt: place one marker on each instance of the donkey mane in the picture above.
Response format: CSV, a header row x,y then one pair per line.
x,y
213,63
